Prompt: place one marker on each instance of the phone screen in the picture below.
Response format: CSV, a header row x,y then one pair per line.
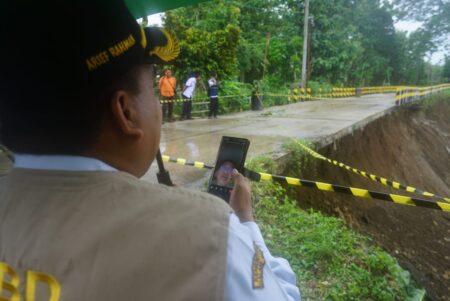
x,y
232,154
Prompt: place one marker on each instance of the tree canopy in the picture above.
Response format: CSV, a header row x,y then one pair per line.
x,y
435,15
352,42
435,18
446,69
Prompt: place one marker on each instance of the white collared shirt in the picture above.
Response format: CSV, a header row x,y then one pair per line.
x,y
190,87
279,279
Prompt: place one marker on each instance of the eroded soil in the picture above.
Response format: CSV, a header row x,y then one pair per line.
x,y
410,145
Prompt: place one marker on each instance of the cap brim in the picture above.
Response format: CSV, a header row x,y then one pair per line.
x,y
161,46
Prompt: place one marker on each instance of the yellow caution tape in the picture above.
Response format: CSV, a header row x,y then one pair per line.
x,y
402,92
197,100
357,192
373,177
180,161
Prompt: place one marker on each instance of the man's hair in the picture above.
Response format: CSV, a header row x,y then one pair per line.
x,y
228,161
52,120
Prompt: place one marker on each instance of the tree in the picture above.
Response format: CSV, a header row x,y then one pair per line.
x,y
376,26
352,42
209,38
446,70
434,13
336,43
257,18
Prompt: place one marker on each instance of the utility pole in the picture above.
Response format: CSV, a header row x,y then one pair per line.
x,y
305,44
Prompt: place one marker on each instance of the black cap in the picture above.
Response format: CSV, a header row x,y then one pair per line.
x,y
70,44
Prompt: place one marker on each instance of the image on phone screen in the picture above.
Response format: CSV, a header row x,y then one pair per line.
x,y
222,175
231,155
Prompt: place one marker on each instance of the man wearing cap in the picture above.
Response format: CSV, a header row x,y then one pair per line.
x,y
76,223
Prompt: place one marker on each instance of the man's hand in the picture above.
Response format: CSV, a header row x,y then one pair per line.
x,y
241,198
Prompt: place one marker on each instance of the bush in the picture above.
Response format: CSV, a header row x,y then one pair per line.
x,y
318,88
239,102
234,96
331,262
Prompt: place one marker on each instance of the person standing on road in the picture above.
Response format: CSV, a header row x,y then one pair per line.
x,y
188,93
76,223
213,93
167,89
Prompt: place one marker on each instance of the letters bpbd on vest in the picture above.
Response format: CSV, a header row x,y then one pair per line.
x,y
10,283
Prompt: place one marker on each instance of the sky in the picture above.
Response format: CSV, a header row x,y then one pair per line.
x,y
154,20
409,26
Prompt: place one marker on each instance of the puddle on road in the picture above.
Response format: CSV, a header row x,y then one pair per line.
x,y
278,113
199,139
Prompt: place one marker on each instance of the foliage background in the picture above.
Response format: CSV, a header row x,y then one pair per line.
x,y
353,43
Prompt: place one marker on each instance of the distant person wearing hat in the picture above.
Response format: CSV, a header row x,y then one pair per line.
x,y
76,223
167,89
213,93
188,93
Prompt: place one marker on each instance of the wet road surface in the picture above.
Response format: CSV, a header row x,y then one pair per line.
x,y
267,130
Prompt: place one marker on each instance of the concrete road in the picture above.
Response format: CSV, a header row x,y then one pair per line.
x,y
321,120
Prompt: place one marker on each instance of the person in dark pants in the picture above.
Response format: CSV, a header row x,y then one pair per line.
x,y
256,102
167,89
188,93
187,108
213,93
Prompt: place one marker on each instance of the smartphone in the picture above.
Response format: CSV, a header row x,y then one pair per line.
x,y
231,155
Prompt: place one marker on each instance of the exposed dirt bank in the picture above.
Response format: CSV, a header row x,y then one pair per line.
x,y
410,145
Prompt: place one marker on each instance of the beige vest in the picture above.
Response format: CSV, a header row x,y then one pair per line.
x,y
79,236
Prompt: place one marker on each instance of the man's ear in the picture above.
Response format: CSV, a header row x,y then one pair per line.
x,y
125,115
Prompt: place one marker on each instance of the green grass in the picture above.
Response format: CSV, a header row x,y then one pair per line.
x,y
331,261
432,100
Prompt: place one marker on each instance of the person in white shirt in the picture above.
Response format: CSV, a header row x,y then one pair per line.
x,y
188,93
76,223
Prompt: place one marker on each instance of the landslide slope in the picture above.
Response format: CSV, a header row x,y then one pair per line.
x,y
411,145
